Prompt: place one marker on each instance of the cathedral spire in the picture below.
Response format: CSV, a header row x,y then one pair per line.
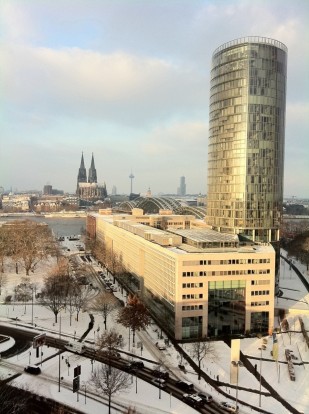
x,y
92,176
82,173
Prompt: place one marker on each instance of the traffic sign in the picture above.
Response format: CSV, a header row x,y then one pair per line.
x,y
76,384
77,370
39,340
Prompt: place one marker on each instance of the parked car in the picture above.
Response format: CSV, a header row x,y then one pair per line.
x,y
33,369
205,397
231,408
193,399
160,374
161,345
159,382
134,365
185,386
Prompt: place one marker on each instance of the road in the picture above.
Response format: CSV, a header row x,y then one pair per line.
x,y
23,341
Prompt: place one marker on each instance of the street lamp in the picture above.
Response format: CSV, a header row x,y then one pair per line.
x,y
260,398
32,288
237,364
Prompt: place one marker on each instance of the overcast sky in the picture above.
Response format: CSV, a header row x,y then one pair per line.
x,y
128,81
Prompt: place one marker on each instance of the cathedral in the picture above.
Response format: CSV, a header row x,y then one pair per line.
x,y
89,190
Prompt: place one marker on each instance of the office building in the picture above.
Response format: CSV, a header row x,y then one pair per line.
x,y
246,138
195,281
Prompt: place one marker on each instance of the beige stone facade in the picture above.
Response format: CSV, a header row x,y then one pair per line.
x,y
196,281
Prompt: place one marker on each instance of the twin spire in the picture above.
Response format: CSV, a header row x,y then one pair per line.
x,y
82,174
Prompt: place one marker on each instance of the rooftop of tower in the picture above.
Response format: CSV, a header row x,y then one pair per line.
x,y
251,39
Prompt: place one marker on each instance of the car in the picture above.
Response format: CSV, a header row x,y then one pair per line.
x,y
185,386
159,382
33,369
160,374
76,347
111,353
193,399
134,365
205,397
231,408
161,345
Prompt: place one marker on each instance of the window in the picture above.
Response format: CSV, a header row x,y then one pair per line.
x,y
193,296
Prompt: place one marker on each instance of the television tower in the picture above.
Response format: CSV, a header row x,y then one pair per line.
x,y
131,176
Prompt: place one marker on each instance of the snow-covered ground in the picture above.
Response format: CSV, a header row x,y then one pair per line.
x,y
143,396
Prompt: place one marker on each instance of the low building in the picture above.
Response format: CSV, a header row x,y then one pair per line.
x,y
196,281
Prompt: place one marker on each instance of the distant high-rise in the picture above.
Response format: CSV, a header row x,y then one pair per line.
x,y
48,189
182,188
246,138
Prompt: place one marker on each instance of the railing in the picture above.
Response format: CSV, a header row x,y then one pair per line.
x,y
252,39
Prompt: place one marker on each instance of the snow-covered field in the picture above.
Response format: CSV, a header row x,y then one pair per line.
x,y
143,396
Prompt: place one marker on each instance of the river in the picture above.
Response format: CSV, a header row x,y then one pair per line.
x,y
60,226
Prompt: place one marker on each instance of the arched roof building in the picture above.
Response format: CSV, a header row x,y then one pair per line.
x,y
152,205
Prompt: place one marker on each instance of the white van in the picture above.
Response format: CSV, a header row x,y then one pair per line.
x,y
74,346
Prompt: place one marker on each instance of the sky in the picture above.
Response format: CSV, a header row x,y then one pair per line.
x,y
128,80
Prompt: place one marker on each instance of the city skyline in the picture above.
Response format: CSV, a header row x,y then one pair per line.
x,y
129,82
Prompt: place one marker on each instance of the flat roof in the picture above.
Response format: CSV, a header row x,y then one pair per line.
x,y
206,235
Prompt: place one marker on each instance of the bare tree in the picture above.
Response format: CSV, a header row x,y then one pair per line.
x,y
299,248
82,299
108,341
28,243
202,349
72,292
23,291
134,316
55,290
3,246
12,401
110,381
3,281
105,303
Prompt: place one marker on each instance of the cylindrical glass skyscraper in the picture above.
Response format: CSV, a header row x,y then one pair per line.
x,y
246,138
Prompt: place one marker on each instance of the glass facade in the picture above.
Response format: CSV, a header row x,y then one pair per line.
x,y
226,307
246,138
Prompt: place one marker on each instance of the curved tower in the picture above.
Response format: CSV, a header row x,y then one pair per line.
x,y
246,138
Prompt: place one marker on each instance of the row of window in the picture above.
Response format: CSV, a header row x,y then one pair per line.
x,y
260,282
262,303
259,292
192,307
233,261
192,285
227,273
193,296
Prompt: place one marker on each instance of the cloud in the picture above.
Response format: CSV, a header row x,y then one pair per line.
x,y
117,87
176,139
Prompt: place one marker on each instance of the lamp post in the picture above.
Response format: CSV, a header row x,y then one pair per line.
x,y
260,398
237,364
32,288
